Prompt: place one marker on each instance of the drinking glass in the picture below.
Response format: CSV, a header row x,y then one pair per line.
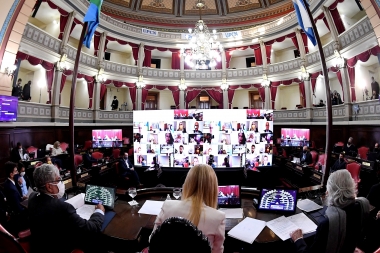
x,y
177,193
132,192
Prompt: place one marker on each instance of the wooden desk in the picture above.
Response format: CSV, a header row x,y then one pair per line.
x,y
128,223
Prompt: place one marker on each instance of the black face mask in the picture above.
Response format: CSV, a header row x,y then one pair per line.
x,y
341,159
305,151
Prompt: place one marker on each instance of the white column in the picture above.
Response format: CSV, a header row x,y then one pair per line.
x,y
268,102
96,100
225,99
140,61
263,55
301,46
346,85
182,64
333,30
66,32
308,98
224,61
182,99
102,43
55,95
138,98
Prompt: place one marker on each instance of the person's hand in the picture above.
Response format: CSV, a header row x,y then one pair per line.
x,y
24,197
295,235
132,169
20,180
378,215
100,207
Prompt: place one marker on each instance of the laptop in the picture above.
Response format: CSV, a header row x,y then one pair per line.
x,y
100,195
229,196
278,200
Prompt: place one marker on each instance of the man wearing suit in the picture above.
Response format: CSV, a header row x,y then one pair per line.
x,y
10,190
17,153
196,128
350,149
305,156
267,130
88,160
339,164
54,224
127,170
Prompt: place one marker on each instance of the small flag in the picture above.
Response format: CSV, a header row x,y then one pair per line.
x,y
92,17
304,20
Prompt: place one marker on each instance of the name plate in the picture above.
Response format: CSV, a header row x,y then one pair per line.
x,y
366,164
317,176
104,167
67,181
298,168
84,175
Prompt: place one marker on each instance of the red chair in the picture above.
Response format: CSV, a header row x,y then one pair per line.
x,y
314,156
97,155
363,151
78,159
313,145
116,153
38,164
320,162
284,153
64,146
87,145
130,152
377,251
354,169
339,144
15,245
32,149
274,150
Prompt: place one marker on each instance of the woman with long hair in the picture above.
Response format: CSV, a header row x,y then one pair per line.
x,y
198,204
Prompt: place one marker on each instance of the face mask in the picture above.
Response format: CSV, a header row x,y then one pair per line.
x,y
20,149
22,173
341,159
61,189
305,151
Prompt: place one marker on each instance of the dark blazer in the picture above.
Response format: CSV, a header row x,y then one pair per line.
x,y
26,92
338,165
374,197
115,104
15,155
13,196
56,227
123,169
353,233
88,160
308,159
350,150
3,208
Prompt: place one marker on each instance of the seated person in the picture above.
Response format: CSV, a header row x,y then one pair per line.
x,y
350,149
57,150
22,181
211,161
18,153
52,219
14,198
339,164
344,215
376,148
199,206
305,156
88,160
126,169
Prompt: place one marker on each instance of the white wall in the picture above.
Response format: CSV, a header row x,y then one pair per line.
x,y
363,78
74,43
53,28
320,91
239,62
283,55
335,85
287,96
194,102
166,63
165,99
121,57
38,78
241,98
81,94
122,95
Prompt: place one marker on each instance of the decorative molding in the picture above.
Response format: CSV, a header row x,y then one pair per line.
x,y
357,31
288,66
41,38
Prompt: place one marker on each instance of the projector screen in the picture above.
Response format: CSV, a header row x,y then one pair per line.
x,y
295,137
186,137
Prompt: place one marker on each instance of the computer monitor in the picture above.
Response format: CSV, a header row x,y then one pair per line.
x,y
278,200
229,196
100,195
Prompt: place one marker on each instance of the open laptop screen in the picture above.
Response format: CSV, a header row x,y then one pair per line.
x,y
229,196
278,200
99,194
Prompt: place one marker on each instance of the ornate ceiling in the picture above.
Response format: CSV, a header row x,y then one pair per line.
x,y
179,15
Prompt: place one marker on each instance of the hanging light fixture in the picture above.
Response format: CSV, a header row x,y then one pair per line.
x,y
203,47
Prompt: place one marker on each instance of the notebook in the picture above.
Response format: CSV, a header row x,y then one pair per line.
x,y
100,195
278,200
229,196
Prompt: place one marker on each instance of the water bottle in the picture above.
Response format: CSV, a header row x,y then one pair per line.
x,y
168,197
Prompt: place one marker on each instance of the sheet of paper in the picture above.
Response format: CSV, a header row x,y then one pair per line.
x,y
30,191
76,201
282,227
151,207
247,230
303,222
86,211
307,205
236,213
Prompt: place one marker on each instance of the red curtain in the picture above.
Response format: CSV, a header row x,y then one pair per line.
x,y
176,92
90,87
65,73
339,76
268,51
191,95
132,93
103,90
217,95
258,56
62,19
135,51
231,93
97,37
75,22
336,16
293,37
148,56
49,69
274,85
302,92
305,42
313,79
262,93
273,94
228,58
176,59
144,95
322,16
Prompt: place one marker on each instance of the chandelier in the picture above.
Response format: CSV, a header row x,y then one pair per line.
x,y
203,47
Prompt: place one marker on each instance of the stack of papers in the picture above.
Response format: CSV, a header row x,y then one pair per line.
x,y
83,210
249,228
151,207
232,213
307,205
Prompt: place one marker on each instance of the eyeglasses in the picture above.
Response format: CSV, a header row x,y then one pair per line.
x,y
56,181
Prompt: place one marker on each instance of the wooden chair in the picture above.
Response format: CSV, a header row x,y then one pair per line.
x,y
97,155
78,160
363,151
339,144
320,162
87,145
32,149
314,156
15,245
116,153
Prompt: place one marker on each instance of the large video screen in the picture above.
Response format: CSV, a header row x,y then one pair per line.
x,y
294,137
107,138
221,138
8,108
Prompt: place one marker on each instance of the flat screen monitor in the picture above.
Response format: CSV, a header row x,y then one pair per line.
x,y
100,195
278,200
229,196
186,137
295,137
8,108
107,138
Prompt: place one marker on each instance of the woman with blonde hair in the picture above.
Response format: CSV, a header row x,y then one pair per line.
x,y
56,150
198,204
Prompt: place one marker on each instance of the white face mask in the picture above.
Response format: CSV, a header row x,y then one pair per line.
x,y
22,173
20,149
61,189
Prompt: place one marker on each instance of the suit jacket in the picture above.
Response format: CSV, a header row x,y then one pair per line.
x,y
212,222
15,155
338,165
88,160
350,150
308,159
13,196
56,227
374,197
353,232
123,169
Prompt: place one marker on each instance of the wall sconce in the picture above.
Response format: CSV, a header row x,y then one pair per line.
x,y
224,86
11,70
61,64
339,61
100,78
304,76
265,83
182,85
140,82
